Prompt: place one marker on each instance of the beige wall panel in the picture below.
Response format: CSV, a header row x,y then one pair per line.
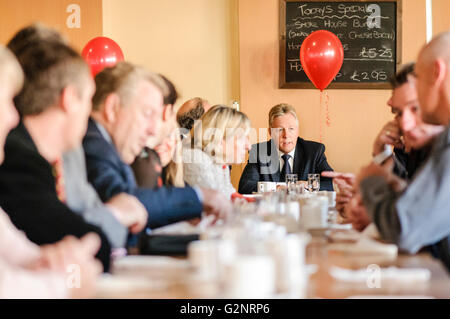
x,y
441,20
19,13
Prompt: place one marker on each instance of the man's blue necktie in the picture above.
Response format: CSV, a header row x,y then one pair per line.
x,y
286,169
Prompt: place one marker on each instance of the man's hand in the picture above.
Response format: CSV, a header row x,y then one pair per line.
x,y
58,256
215,203
384,171
357,214
90,268
345,184
73,254
390,134
129,211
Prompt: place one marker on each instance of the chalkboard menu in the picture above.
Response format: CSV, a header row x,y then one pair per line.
x,y
370,33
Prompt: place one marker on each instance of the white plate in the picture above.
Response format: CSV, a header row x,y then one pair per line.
x,y
133,262
180,228
116,284
254,195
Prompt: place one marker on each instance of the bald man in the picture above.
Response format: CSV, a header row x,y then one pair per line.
x,y
191,111
420,215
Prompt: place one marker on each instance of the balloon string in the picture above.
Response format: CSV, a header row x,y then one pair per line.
x,y
327,104
320,116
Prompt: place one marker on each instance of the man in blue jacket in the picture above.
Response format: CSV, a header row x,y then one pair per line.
x,y
127,110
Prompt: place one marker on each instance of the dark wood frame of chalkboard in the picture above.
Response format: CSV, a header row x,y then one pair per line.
x,y
334,85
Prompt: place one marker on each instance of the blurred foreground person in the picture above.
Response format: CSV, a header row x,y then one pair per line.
x,y
411,138
119,215
27,270
419,215
54,105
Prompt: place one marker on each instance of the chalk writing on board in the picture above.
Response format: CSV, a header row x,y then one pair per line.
x,y
368,33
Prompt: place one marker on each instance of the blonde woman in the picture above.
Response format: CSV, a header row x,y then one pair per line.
x,y
219,139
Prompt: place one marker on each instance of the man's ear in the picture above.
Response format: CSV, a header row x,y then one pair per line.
x,y
439,71
68,97
167,112
111,107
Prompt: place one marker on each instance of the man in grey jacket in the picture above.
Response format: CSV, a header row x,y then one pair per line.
x,y
121,213
420,215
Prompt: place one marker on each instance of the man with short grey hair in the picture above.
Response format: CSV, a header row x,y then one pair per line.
x,y
286,153
127,110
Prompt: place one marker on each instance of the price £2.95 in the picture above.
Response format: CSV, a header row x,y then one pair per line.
x,y
368,76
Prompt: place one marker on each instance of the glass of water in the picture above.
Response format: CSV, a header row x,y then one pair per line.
x,y
291,182
313,182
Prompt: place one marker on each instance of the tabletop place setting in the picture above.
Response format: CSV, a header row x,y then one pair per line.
x,y
289,242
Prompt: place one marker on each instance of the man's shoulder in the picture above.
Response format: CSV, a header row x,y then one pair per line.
x,y
262,152
95,145
23,166
19,139
20,149
265,148
93,134
300,141
264,144
311,146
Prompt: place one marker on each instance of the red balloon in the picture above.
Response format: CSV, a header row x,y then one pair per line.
x,y
321,55
101,52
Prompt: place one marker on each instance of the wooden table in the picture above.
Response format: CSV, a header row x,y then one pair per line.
x,y
182,283
322,285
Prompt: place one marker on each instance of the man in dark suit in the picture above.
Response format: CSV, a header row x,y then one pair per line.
x,y
127,110
285,153
123,212
54,104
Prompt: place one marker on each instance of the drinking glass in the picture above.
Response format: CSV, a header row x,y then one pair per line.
x,y
291,182
291,178
313,182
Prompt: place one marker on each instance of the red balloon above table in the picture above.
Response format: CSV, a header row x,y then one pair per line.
x,y
101,52
321,55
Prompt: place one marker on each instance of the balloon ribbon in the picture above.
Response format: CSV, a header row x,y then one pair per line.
x,y
324,98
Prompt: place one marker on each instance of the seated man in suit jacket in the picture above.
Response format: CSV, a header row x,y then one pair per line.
x,y
120,214
54,103
127,110
27,270
285,153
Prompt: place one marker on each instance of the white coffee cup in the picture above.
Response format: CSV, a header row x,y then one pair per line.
x,y
250,277
209,257
264,187
292,209
289,256
314,212
331,197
